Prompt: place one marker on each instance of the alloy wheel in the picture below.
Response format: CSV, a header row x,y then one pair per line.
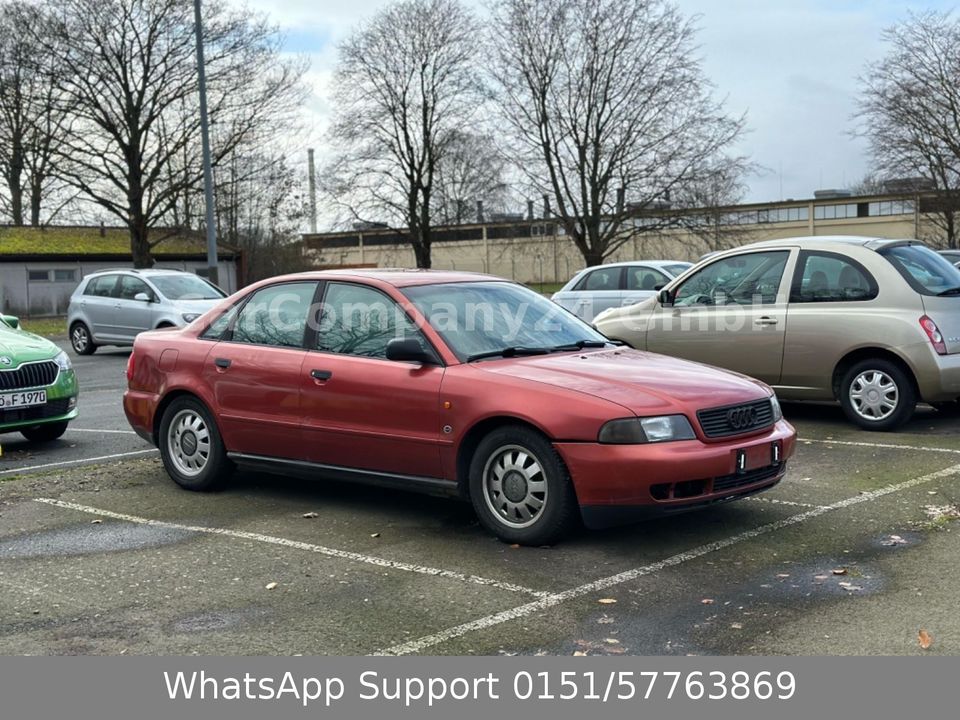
x,y
188,441
515,486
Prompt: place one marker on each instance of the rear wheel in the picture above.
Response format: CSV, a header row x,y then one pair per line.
x,y
877,394
520,488
44,433
190,446
81,340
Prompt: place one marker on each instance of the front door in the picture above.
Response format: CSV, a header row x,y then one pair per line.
x,y
732,314
361,410
133,316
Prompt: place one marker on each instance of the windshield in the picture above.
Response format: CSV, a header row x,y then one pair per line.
x,y
185,287
927,272
487,317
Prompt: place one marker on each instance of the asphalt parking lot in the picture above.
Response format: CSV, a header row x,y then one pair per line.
x,y
100,553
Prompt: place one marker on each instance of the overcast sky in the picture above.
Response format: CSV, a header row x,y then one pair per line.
x,y
791,66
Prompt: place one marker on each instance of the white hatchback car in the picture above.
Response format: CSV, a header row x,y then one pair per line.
x,y
598,288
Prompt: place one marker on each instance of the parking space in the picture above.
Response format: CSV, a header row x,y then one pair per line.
x,y
851,553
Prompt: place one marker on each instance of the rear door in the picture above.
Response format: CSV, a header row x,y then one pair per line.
x,y
731,313
133,316
597,291
254,372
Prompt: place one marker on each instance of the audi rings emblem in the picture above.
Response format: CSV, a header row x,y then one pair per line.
x,y
742,417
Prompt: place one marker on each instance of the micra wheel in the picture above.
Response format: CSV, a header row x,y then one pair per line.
x,y
520,488
877,394
190,446
44,433
81,340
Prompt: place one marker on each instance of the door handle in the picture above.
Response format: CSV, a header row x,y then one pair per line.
x,y
321,375
222,363
765,321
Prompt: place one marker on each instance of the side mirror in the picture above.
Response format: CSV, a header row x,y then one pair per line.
x,y
11,321
666,298
409,350
142,297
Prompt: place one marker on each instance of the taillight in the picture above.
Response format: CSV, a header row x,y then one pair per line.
x,y
130,364
933,332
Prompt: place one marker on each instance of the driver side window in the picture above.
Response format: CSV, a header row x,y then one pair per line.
x,y
736,280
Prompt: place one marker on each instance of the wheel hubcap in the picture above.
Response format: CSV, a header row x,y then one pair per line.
x,y
79,339
188,441
874,395
515,486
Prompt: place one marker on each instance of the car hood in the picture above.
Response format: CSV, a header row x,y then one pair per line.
x,y
20,347
645,383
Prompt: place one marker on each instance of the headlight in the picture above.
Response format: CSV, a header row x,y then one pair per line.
x,y
632,431
775,407
63,361
190,317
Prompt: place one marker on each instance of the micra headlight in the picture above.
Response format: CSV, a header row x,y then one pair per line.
x,y
775,407
63,361
633,431
190,317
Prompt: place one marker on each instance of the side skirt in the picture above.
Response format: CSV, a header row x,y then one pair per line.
x,y
314,471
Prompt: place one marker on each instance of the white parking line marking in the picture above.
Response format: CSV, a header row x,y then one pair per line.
x,y
298,545
80,461
94,430
882,446
792,503
429,641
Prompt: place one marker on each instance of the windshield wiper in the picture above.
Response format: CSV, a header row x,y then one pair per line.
x,y
949,291
508,352
579,345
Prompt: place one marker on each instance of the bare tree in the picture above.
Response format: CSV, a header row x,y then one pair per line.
x,y
610,110
126,73
909,111
406,89
31,122
470,169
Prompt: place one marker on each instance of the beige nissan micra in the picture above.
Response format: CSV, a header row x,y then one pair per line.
x,y
873,323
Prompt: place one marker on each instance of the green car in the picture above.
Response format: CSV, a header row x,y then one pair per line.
x,y
38,387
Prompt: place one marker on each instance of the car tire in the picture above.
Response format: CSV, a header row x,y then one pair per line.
x,y
877,394
191,448
44,433
81,340
539,506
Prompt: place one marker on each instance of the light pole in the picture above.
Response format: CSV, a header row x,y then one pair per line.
x,y
212,268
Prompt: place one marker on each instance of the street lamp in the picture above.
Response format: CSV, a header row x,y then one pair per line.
x,y
212,268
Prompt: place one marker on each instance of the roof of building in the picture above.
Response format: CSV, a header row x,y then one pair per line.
x,y
98,243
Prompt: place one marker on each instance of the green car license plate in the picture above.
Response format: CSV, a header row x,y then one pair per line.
x,y
29,398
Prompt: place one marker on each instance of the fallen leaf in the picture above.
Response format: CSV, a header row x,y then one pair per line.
x,y
925,639
579,653
707,601
311,515
607,601
839,571
605,620
515,546
96,522
783,575
736,626
270,586
849,586
821,578
611,641
374,534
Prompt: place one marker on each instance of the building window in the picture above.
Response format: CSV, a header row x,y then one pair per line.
x,y
891,207
68,275
38,275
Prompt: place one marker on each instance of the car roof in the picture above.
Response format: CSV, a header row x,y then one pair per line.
x,y
144,272
821,242
631,263
398,277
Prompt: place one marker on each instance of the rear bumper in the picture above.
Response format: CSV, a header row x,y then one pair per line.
x,y
140,408
938,376
624,482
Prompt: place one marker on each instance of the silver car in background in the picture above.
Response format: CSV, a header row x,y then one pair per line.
x,y
111,307
598,288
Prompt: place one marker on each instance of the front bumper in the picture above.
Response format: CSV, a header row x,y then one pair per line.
x,y
62,401
619,483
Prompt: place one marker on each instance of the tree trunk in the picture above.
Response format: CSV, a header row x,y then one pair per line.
x,y
36,201
14,175
140,243
421,250
592,256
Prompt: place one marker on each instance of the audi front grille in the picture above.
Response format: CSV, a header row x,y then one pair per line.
x,y
736,419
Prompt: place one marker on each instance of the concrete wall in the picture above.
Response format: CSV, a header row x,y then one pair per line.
x,y
20,296
554,258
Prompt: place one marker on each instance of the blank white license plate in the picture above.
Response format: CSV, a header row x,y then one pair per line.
x,y
29,398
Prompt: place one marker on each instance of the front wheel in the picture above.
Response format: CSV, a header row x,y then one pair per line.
x,y
878,395
44,433
190,446
520,488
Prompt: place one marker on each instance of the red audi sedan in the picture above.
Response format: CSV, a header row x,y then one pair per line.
x,y
450,383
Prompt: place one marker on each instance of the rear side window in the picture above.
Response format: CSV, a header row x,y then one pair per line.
x,y
829,277
102,286
275,315
926,272
644,278
601,279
